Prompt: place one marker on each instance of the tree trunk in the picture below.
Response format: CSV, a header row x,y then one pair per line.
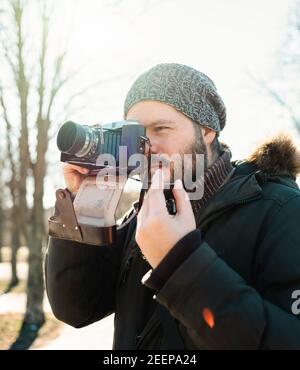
x,y
37,239
15,245
1,230
35,287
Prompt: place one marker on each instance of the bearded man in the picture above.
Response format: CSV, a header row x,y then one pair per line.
x,y
224,272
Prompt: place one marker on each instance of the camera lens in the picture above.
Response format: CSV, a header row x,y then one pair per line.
x,y
74,139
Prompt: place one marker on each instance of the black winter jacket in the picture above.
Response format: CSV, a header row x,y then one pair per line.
x,y
244,271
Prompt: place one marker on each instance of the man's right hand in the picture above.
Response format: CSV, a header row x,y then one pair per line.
x,y
74,175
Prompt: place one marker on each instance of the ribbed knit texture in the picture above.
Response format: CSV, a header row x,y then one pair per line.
x,y
214,177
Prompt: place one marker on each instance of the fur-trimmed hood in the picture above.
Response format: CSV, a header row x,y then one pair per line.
x,y
277,155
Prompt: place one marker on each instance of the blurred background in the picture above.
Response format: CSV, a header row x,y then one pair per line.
x,y
75,60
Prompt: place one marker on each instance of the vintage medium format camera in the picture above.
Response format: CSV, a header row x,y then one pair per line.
x,y
106,151
82,145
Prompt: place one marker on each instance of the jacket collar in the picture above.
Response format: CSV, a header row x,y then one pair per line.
x,y
243,187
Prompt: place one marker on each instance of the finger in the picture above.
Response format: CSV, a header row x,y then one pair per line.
x,y
145,207
156,197
71,167
143,212
183,204
157,184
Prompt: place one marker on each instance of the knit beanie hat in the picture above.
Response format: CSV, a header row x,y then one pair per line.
x,y
189,91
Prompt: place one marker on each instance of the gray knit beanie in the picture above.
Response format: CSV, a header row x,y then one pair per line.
x,y
186,89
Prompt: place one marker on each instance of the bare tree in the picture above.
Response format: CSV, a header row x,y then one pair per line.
x,y
27,160
30,161
283,85
2,216
13,187
40,81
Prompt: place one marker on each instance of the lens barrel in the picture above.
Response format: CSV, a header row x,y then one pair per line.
x,y
72,138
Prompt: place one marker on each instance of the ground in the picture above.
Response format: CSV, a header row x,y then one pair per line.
x,y
10,324
54,334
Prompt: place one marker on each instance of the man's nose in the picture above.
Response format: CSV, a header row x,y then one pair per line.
x,y
153,145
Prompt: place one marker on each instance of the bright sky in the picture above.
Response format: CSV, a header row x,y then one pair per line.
x,y
223,39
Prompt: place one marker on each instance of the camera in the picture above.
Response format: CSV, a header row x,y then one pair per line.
x,y
82,145
90,217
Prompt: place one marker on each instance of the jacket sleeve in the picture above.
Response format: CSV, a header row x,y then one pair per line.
x,y
81,279
218,308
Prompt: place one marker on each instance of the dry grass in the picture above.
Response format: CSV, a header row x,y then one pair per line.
x,y
20,288
10,325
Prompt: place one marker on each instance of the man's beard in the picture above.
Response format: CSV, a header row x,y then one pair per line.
x,y
199,147
183,165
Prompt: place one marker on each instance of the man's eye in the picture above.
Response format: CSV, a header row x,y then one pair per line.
x,y
160,128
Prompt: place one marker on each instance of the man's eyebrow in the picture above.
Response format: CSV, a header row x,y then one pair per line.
x,y
161,122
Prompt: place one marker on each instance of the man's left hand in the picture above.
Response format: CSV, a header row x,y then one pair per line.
x,y
157,231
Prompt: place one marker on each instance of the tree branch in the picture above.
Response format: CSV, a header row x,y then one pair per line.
x,y
275,95
13,182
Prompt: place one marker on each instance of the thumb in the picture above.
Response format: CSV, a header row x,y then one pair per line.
x,y
82,170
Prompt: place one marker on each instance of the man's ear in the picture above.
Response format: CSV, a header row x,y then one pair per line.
x,y
208,135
